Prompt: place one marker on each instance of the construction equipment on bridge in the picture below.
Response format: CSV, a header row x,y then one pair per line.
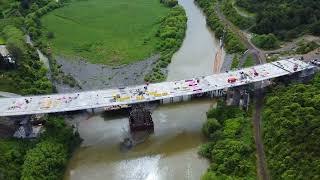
x,y
140,119
232,79
163,92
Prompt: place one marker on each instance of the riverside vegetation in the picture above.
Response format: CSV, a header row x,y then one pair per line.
x,y
230,149
171,33
232,43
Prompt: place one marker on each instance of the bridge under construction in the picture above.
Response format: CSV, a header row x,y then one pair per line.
x,y
213,85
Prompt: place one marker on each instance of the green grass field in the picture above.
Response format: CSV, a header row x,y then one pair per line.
x,y
109,32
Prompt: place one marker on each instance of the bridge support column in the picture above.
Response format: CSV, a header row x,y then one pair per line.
x,y
236,97
246,101
27,126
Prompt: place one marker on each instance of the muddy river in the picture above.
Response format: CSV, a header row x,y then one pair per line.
x,y
170,153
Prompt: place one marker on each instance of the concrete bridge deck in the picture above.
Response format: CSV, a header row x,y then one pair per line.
x,y
137,94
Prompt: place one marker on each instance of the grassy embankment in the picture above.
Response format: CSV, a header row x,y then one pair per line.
x,y
230,149
110,32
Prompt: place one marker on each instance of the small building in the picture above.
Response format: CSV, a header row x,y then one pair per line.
x,y
6,60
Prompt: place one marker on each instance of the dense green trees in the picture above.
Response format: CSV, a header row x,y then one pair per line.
x,y
169,3
291,125
30,77
171,33
12,155
286,18
265,41
45,161
43,158
230,147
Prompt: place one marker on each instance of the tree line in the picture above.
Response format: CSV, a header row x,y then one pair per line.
x,y
171,34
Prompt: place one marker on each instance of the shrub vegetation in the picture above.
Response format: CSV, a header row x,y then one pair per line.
x,y
305,47
230,148
265,41
171,34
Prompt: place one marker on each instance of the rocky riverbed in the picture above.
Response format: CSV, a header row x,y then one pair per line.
x,y
98,76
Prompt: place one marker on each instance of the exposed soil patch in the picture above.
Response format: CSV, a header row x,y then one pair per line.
x,y
262,167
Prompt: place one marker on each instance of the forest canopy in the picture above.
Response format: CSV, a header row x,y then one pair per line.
x,y
285,18
291,120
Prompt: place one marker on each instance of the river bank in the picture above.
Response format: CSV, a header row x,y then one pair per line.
x,y
98,76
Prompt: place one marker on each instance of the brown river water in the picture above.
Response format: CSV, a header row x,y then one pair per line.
x,y
171,152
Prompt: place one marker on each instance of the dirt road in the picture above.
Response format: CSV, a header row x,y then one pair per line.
x,y
261,164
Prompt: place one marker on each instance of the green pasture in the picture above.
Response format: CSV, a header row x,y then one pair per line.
x,y
109,32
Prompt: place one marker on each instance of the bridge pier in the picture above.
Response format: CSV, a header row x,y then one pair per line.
x,y
306,75
236,96
25,127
